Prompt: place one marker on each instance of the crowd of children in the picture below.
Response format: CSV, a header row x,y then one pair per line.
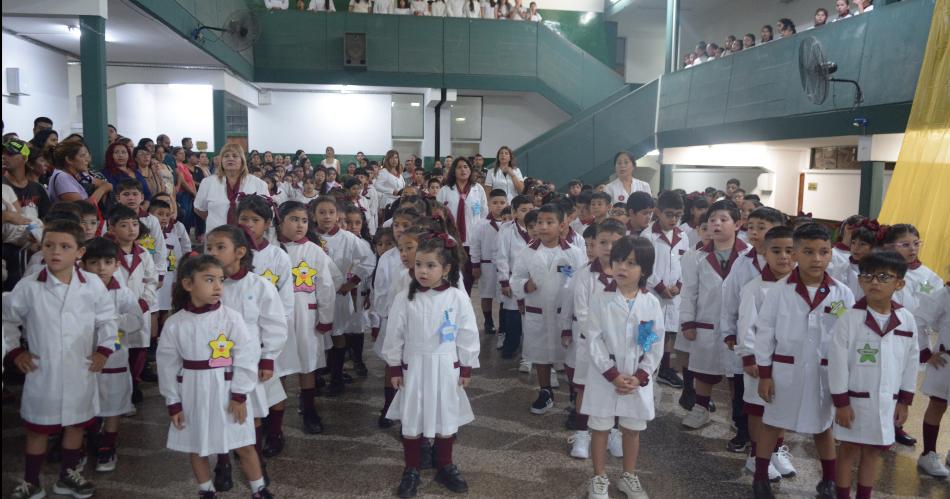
x,y
814,334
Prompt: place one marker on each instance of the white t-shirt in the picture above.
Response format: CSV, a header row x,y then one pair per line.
x,y
488,11
496,179
359,8
618,194
418,7
454,7
439,9
212,197
384,7
320,5
276,4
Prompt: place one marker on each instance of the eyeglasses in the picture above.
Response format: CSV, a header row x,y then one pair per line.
x,y
908,245
882,278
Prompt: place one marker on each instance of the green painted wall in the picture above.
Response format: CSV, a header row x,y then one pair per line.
x,y
597,37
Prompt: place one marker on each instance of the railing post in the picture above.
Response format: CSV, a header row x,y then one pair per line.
x,y
672,35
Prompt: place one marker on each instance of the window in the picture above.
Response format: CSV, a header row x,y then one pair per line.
x,y
407,116
466,115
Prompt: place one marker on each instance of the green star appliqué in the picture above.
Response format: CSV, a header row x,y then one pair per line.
x,y
925,288
867,353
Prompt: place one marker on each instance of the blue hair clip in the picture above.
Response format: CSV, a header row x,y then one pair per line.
x,y
646,337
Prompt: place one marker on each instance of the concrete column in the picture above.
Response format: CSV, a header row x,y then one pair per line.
x,y
872,188
220,138
672,35
92,57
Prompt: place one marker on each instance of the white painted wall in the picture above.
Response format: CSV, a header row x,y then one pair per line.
x,y
176,110
44,73
574,5
56,7
835,196
515,120
738,17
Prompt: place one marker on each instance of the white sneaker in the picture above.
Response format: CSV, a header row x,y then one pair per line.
x,y
629,484
782,461
774,475
525,366
598,487
554,381
930,463
500,342
580,444
697,418
615,443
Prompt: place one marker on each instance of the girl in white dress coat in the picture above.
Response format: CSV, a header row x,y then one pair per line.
x,y
625,342
430,349
468,204
207,368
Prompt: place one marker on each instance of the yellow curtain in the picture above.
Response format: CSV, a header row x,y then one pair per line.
x,y
919,192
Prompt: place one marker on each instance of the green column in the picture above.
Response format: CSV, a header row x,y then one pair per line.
x,y
220,138
872,188
666,177
672,35
92,57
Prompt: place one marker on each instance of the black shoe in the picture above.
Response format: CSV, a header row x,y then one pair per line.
x,y
571,423
222,477
207,494
360,369
712,406
346,378
336,388
274,445
507,355
427,452
826,489
544,402
148,375
452,479
319,385
490,329
385,422
688,399
739,444
312,425
904,438
762,490
137,396
409,483
262,494
668,377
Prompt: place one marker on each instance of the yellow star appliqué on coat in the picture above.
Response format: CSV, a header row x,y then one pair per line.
x,y
220,351
304,276
147,243
270,276
172,261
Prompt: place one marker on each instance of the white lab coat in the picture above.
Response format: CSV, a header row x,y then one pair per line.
x,y
619,194
872,369
154,244
933,312
791,343
692,237
321,5
454,8
483,247
495,178
752,296
272,263
512,238
385,281
432,339
920,281
139,274
384,6
360,320
847,273
701,308
115,384
488,11
419,8
63,325
314,298
667,271
586,280
615,348
475,13
256,299
840,253
743,271
178,244
476,207
212,196
546,309
387,185
203,395
356,262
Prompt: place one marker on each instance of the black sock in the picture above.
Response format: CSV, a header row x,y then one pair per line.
x,y
489,322
335,362
665,361
354,342
687,378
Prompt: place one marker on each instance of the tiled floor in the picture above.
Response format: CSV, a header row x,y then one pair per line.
x,y
506,453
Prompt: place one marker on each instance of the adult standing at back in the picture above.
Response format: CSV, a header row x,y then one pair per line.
x,y
624,185
389,182
504,174
217,197
467,202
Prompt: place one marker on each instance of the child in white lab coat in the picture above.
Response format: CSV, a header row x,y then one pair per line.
x,y
355,223
934,313
430,349
512,238
863,241
68,322
482,248
625,342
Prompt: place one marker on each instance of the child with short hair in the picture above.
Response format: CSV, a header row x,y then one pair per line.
x,y
482,248
161,209
89,219
842,248
430,350
208,367
695,210
625,343
354,220
512,238
599,206
584,218
541,276
863,241
590,241
69,325
640,207
933,312
791,344
101,257
872,356
665,281
570,214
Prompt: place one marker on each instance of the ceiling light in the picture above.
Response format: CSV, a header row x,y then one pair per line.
x,y
654,152
415,104
460,120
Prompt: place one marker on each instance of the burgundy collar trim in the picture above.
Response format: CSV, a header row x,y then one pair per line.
x,y
237,276
676,234
203,309
914,265
824,289
892,322
331,232
439,288
842,246
723,272
113,285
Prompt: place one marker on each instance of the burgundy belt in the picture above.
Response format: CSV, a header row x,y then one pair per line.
x,y
788,359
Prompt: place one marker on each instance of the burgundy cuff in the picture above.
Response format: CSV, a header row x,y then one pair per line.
x,y
355,279
161,278
925,355
765,372
660,287
14,353
174,409
905,397
104,351
465,372
611,374
239,397
643,377
476,265
394,371
324,327
566,333
729,337
266,364
143,305
839,399
748,360
688,325
505,284
374,332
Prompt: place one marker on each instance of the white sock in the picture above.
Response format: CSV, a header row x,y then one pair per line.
x,y
257,485
206,487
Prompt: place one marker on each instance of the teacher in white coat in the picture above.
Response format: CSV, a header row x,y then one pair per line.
x,y
624,185
389,183
468,204
217,197
504,174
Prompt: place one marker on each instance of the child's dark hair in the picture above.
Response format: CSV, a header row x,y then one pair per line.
x,y
770,215
779,232
156,204
723,205
643,253
352,209
54,215
447,251
187,268
553,209
877,261
129,184
288,207
565,204
602,196
86,208
864,234
612,226
520,200
850,222
734,181
575,182
120,212
99,248
351,182
66,227
382,233
409,212
258,205
694,201
497,193
583,198
812,232
65,206
670,200
897,231
640,201
531,218
506,211
240,239
590,232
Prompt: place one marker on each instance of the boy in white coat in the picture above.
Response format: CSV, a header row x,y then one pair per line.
x,y
934,313
512,238
872,371
68,321
792,334
541,276
482,249
625,343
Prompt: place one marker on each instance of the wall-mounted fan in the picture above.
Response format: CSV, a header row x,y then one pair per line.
x,y
239,32
815,71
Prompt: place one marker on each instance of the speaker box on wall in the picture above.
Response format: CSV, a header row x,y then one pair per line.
x,y
354,50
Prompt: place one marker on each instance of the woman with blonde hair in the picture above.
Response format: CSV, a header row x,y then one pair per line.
x,y
389,182
218,195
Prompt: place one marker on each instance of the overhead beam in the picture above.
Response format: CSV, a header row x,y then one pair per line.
x,y
612,7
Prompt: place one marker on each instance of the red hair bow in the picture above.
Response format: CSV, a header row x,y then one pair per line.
x,y
446,239
693,196
803,214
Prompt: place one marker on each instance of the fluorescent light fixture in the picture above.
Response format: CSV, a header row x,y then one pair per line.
x,y
654,152
415,104
587,17
460,119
